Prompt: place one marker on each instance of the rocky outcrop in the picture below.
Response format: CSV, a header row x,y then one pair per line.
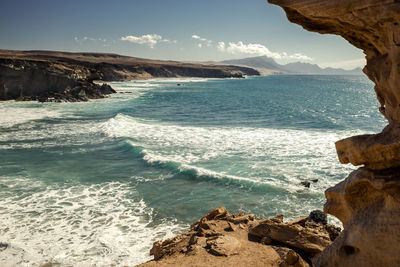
x,y
224,239
61,76
48,81
368,201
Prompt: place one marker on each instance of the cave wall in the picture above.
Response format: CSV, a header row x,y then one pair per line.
x,y
368,200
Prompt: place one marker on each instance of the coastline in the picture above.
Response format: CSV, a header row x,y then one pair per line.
x,y
49,76
127,127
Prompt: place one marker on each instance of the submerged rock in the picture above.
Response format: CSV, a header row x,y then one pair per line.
x,y
306,184
3,246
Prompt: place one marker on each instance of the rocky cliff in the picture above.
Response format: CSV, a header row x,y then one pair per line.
x,y
224,239
62,76
48,81
368,201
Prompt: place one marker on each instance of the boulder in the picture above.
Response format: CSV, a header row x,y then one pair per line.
x,y
223,245
310,239
318,216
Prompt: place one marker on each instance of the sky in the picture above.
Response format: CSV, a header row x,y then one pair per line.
x,y
186,30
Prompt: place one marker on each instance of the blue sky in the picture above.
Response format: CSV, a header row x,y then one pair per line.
x,y
190,30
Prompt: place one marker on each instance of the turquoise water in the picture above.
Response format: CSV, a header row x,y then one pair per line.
x,y
99,182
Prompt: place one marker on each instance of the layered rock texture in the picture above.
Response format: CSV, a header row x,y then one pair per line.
x,y
61,76
224,239
368,201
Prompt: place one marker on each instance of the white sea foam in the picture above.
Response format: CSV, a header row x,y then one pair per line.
x,y
31,135
198,171
14,113
96,225
293,155
175,80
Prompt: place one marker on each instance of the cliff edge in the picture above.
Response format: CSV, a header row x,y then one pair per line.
x,y
224,239
63,76
368,200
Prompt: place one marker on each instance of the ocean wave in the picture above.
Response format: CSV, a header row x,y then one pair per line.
x,y
18,113
97,225
38,134
176,80
279,157
189,170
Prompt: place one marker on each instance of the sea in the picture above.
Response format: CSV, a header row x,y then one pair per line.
x,y
96,183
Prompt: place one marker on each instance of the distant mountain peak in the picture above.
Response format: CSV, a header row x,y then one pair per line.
x,y
268,65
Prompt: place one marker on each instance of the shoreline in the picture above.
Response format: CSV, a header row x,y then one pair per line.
x,y
49,76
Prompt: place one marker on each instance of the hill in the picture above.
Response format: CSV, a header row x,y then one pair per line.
x,y
266,65
64,76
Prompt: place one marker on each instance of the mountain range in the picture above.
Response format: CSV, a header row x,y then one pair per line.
x,y
266,65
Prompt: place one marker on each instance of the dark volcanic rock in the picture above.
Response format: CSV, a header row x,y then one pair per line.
x,y
48,81
61,76
3,246
305,184
318,216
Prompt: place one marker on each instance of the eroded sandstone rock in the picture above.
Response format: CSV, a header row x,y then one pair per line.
x,y
224,245
308,237
292,259
375,151
224,239
368,201
374,27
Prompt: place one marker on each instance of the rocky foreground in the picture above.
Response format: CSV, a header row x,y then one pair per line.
x,y
224,239
62,76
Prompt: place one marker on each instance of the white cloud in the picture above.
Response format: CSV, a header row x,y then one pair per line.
x,y
201,40
221,46
297,56
91,39
168,41
148,39
260,50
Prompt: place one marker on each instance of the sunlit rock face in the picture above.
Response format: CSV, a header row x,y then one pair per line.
x,y
368,201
